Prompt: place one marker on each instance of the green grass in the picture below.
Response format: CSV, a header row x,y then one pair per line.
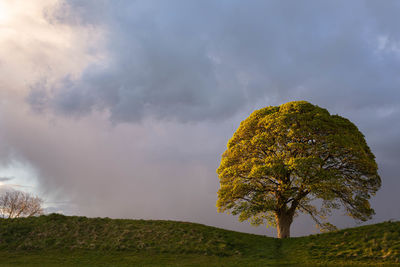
x,y
57,240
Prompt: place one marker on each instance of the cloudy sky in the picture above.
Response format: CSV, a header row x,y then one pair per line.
x,y
123,108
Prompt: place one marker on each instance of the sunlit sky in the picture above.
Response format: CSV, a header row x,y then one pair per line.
x,y
123,108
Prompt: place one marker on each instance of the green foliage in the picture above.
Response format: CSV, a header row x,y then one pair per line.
x,y
282,158
57,240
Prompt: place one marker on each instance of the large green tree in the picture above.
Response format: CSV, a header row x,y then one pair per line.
x,y
283,158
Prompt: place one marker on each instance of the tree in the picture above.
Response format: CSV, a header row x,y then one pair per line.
x,y
15,204
282,159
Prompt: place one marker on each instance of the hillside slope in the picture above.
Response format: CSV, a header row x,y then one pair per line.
x,y
152,241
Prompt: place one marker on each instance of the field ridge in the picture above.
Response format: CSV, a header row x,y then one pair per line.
x,y
155,240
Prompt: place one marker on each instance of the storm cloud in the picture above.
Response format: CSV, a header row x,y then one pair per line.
x,y
123,108
201,60
5,179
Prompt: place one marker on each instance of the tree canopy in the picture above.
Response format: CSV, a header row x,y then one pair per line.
x,y
283,158
15,204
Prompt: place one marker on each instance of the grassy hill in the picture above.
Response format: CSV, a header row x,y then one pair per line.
x,y
56,240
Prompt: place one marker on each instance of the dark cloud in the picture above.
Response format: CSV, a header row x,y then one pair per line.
x,y
206,60
6,179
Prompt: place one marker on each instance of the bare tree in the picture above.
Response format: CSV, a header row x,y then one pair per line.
x,y
15,204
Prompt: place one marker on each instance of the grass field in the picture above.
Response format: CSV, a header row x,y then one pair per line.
x,y
57,240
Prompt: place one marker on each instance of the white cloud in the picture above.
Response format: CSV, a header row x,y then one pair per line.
x,y
35,48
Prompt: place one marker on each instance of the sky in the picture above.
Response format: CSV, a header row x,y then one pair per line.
x,y
123,108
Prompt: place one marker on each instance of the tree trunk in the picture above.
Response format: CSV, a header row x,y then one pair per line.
x,y
283,222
